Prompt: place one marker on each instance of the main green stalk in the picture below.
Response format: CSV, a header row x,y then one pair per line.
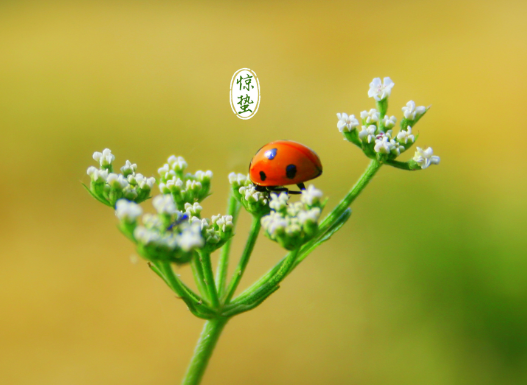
x,y
206,344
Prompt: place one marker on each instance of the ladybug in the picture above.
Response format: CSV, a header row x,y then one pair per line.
x,y
281,163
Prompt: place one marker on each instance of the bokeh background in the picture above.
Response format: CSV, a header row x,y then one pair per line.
x,y
426,284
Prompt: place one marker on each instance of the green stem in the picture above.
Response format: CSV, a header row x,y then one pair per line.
x,y
223,262
363,181
156,268
244,259
326,224
194,303
207,341
208,275
197,272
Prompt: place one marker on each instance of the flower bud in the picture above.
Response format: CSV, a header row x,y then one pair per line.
x,y
128,169
164,204
105,158
127,211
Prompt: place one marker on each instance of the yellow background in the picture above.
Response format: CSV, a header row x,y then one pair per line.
x,y
427,282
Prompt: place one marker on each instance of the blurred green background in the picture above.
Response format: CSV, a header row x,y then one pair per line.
x,y
426,284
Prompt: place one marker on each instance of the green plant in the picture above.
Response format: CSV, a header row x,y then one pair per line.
x,y
177,234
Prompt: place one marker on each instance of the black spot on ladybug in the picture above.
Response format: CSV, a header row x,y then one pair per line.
x,y
270,154
290,171
262,176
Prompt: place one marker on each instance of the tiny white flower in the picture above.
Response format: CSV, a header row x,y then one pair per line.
x,y
164,204
224,222
389,122
405,136
278,201
309,216
411,112
170,241
105,158
193,209
151,221
117,181
371,116
147,183
203,176
97,175
383,144
251,195
425,157
164,188
368,133
293,228
346,123
178,182
380,91
397,147
165,172
204,224
311,195
129,168
274,223
174,185
238,180
146,236
127,211
177,163
190,238
294,208
193,185
130,192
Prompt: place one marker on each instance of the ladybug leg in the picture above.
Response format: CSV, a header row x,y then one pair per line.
x,y
284,189
260,188
277,189
301,186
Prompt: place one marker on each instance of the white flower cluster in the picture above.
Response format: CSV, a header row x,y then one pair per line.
x,y
167,235
185,188
171,234
376,137
188,239
293,224
256,202
384,144
219,230
109,187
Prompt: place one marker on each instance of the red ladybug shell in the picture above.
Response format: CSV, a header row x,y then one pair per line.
x,y
284,162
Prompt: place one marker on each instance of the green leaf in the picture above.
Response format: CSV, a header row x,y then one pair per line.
x,y
353,137
409,166
335,227
104,202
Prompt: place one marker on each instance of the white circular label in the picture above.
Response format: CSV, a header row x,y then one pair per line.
x,y
245,93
